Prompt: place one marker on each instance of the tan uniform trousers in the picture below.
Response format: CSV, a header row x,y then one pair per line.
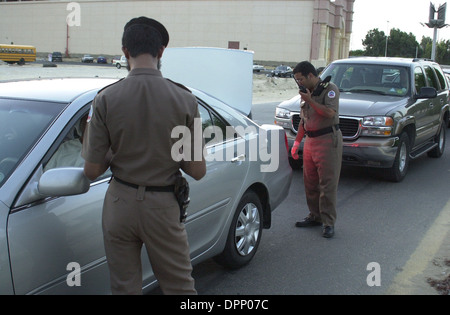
x,y
133,217
322,158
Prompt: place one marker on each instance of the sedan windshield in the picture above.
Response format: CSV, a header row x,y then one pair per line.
x,y
370,78
22,123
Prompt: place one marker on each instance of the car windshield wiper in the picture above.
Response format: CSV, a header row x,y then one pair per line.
x,y
367,91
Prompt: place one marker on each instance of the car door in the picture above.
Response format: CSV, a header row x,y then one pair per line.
x,y
443,92
49,239
421,107
213,198
435,104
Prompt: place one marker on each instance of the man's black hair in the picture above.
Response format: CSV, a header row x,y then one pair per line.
x,y
142,39
305,68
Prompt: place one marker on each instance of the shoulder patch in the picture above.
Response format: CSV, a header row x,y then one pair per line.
x,y
179,85
332,94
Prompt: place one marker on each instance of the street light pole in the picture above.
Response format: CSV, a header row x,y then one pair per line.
x,y
387,36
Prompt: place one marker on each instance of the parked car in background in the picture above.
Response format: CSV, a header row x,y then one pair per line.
x,y
122,62
101,59
50,214
391,110
115,59
87,59
57,56
282,72
258,68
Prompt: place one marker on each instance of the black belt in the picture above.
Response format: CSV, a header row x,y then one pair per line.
x,y
321,132
169,188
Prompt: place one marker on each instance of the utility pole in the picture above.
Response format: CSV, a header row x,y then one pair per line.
x,y
436,22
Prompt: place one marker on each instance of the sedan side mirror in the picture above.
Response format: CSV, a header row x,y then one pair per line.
x,y
426,92
65,181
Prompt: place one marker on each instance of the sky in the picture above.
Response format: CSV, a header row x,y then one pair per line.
x,y
405,15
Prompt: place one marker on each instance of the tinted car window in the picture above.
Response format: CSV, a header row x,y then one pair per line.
x,y
431,78
419,79
217,131
22,123
441,77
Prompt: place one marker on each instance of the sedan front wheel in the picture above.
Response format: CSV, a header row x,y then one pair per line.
x,y
244,234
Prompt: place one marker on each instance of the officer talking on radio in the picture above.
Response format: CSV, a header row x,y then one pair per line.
x,y
322,150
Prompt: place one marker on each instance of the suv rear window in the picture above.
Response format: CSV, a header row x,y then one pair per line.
x,y
367,78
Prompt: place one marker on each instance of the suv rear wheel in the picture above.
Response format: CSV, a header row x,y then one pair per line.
x,y
398,171
440,140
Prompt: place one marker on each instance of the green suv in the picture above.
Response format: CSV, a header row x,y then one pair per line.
x,y
391,110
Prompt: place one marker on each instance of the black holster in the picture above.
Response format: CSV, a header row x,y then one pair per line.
x,y
182,195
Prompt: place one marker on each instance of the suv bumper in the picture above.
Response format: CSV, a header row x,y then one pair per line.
x,y
371,152
365,151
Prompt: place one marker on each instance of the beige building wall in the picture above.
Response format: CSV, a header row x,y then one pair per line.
x,y
279,31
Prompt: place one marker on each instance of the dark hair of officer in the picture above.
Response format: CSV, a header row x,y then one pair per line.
x,y
141,39
305,68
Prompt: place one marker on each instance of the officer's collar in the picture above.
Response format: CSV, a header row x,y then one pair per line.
x,y
140,71
317,84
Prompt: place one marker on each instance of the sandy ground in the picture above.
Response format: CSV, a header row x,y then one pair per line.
x,y
414,279
265,89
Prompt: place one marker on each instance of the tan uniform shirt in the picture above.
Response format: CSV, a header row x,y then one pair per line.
x,y
135,118
330,98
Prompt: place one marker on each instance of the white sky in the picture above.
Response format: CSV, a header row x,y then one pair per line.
x,y
405,15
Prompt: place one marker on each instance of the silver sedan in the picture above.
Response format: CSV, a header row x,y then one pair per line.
x,y
51,238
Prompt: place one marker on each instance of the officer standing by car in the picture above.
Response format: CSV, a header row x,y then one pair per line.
x,y
322,151
129,130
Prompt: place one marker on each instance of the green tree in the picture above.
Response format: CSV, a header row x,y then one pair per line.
x,y
375,43
401,44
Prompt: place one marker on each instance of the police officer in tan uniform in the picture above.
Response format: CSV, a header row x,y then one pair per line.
x,y
129,130
322,151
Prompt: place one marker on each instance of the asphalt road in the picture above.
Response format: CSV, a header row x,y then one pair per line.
x,y
395,225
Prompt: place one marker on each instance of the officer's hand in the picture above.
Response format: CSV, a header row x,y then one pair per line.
x,y
306,97
294,150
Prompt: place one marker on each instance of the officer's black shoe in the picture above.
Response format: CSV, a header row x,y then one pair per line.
x,y
328,231
308,221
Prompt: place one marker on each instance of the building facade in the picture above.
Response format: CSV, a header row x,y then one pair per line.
x,y
279,31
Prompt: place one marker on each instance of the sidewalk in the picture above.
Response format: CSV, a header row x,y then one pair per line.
x,y
430,261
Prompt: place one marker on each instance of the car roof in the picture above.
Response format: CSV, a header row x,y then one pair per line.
x,y
56,90
383,60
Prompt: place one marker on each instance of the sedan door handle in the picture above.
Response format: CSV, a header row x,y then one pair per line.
x,y
238,158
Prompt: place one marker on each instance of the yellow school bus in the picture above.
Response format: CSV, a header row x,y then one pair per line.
x,y
17,53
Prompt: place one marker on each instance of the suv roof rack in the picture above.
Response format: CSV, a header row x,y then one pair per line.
x,y
422,59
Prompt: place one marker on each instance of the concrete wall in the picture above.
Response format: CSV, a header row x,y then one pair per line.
x,y
278,30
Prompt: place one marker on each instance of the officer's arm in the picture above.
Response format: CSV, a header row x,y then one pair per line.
x,y
321,109
195,169
94,170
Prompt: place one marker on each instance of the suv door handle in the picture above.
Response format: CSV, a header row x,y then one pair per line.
x,y
431,105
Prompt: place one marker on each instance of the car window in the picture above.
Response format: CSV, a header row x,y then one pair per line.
x,y
419,79
431,78
441,77
214,129
67,153
22,123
